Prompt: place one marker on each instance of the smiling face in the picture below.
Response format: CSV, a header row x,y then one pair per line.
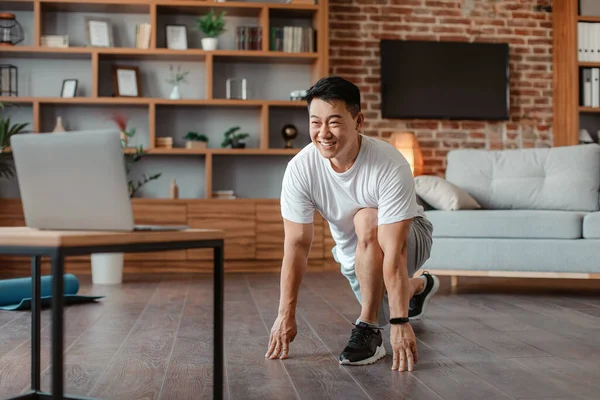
x,y
334,130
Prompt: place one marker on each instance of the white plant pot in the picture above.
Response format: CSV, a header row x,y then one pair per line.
x,y
175,94
107,268
209,43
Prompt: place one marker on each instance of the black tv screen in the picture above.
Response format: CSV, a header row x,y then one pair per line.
x,y
444,80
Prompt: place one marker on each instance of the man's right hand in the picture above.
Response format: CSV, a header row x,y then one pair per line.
x,y
282,334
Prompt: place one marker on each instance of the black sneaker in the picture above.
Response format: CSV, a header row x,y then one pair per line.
x,y
365,346
419,301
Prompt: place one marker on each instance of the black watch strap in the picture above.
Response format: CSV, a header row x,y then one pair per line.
x,y
403,320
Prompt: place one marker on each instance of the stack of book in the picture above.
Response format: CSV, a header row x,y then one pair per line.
x,y
248,38
223,194
164,142
142,35
54,41
293,39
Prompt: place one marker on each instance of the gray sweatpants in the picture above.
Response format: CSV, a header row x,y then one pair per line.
x,y
418,249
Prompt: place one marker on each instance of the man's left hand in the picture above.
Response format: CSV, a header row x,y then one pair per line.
x,y
404,346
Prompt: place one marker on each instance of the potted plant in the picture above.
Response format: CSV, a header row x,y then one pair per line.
x,y
7,130
107,268
233,139
195,140
212,25
177,77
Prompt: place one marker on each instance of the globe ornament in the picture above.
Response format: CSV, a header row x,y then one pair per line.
x,y
289,133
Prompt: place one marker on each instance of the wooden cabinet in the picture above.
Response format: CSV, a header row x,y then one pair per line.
x,y
254,236
236,219
270,233
158,212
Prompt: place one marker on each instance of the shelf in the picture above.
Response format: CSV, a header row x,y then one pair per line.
x,y
233,8
589,64
588,19
158,54
244,152
149,100
589,109
97,6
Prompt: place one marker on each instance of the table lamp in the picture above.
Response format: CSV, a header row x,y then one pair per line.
x,y
407,144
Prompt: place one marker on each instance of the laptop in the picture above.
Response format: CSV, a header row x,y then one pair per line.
x,y
75,181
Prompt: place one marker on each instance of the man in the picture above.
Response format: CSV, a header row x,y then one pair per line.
x,y
364,188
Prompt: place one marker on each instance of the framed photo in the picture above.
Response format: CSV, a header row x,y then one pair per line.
x,y
99,32
126,81
69,88
176,36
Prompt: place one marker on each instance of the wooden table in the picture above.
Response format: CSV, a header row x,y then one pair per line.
x,y
22,241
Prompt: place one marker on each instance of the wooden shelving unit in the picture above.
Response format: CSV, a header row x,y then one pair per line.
x,y
569,113
156,12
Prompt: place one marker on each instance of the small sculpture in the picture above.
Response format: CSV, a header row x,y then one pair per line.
x,y
289,133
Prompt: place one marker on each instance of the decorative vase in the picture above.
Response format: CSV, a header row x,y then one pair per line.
x,y
175,94
174,190
209,43
59,125
107,268
238,145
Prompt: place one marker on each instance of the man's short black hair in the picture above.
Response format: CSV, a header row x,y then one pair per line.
x,y
336,88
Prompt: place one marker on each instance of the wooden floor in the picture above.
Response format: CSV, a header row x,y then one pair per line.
x,y
153,340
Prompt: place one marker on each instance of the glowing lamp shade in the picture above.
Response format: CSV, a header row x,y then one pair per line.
x,y
407,144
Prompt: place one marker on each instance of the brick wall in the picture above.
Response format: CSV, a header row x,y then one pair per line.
x,y
356,26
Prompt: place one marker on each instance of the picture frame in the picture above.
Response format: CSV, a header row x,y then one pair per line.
x,y
69,88
99,32
126,81
176,37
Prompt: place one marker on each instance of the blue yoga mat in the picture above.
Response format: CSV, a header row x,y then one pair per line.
x,y
15,294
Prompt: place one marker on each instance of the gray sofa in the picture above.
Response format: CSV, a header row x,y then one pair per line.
x,y
539,214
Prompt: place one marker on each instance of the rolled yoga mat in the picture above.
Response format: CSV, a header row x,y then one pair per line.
x,y
15,294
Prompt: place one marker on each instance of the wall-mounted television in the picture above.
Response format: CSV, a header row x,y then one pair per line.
x,y
444,80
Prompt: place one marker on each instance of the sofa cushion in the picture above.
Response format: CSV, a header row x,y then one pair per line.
x,y
443,195
557,178
523,224
591,226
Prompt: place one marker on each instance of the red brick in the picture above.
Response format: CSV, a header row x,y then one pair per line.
x,y
450,125
398,10
388,18
420,20
441,4
342,8
350,17
370,1
344,52
447,29
407,2
477,135
457,21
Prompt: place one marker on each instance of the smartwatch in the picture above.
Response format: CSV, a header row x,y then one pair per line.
x,y
399,321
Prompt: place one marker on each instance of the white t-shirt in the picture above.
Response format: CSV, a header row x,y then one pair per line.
x,y
379,178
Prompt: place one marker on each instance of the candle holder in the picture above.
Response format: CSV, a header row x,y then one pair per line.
x,y
11,31
8,80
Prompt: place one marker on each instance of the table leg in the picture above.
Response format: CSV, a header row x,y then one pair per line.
x,y
35,323
218,322
57,325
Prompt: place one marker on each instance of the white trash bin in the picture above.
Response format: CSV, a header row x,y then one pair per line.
x,y
107,268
